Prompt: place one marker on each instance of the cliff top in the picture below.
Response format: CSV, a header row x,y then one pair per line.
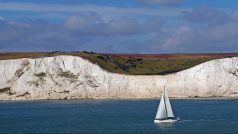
x,y
136,64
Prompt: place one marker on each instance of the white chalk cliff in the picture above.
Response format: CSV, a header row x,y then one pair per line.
x,y
69,77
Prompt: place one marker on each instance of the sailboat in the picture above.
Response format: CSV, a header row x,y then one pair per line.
x,y
165,112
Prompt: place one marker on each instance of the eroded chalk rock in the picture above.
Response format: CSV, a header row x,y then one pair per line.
x,y
69,77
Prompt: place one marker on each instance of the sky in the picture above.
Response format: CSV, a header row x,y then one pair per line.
x,y
119,26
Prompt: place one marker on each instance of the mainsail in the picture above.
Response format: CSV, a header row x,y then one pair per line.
x,y
165,109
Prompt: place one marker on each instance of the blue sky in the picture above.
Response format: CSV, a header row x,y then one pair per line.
x,y
119,26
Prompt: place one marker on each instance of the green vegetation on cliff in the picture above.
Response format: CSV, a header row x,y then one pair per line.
x,y
136,64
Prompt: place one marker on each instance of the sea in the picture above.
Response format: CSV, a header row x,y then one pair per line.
x,y
198,116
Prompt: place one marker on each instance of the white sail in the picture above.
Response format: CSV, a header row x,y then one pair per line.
x,y
161,112
165,109
168,105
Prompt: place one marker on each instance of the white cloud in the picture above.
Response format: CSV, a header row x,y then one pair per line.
x,y
206,15
213,38
87,29
2,18
58,8
180,39
235,15
80,32
83,23
162,2
93,24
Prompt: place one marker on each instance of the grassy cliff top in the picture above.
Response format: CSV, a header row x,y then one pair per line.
x,y
136,64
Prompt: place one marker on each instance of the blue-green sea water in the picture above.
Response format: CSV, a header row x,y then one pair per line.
x,y
201,116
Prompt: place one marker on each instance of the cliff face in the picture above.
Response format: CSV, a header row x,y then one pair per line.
x,y
69,77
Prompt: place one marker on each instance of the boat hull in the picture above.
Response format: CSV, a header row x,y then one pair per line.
x,y
166,120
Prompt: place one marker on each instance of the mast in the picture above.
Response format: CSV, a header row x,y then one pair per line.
x,y
165,103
